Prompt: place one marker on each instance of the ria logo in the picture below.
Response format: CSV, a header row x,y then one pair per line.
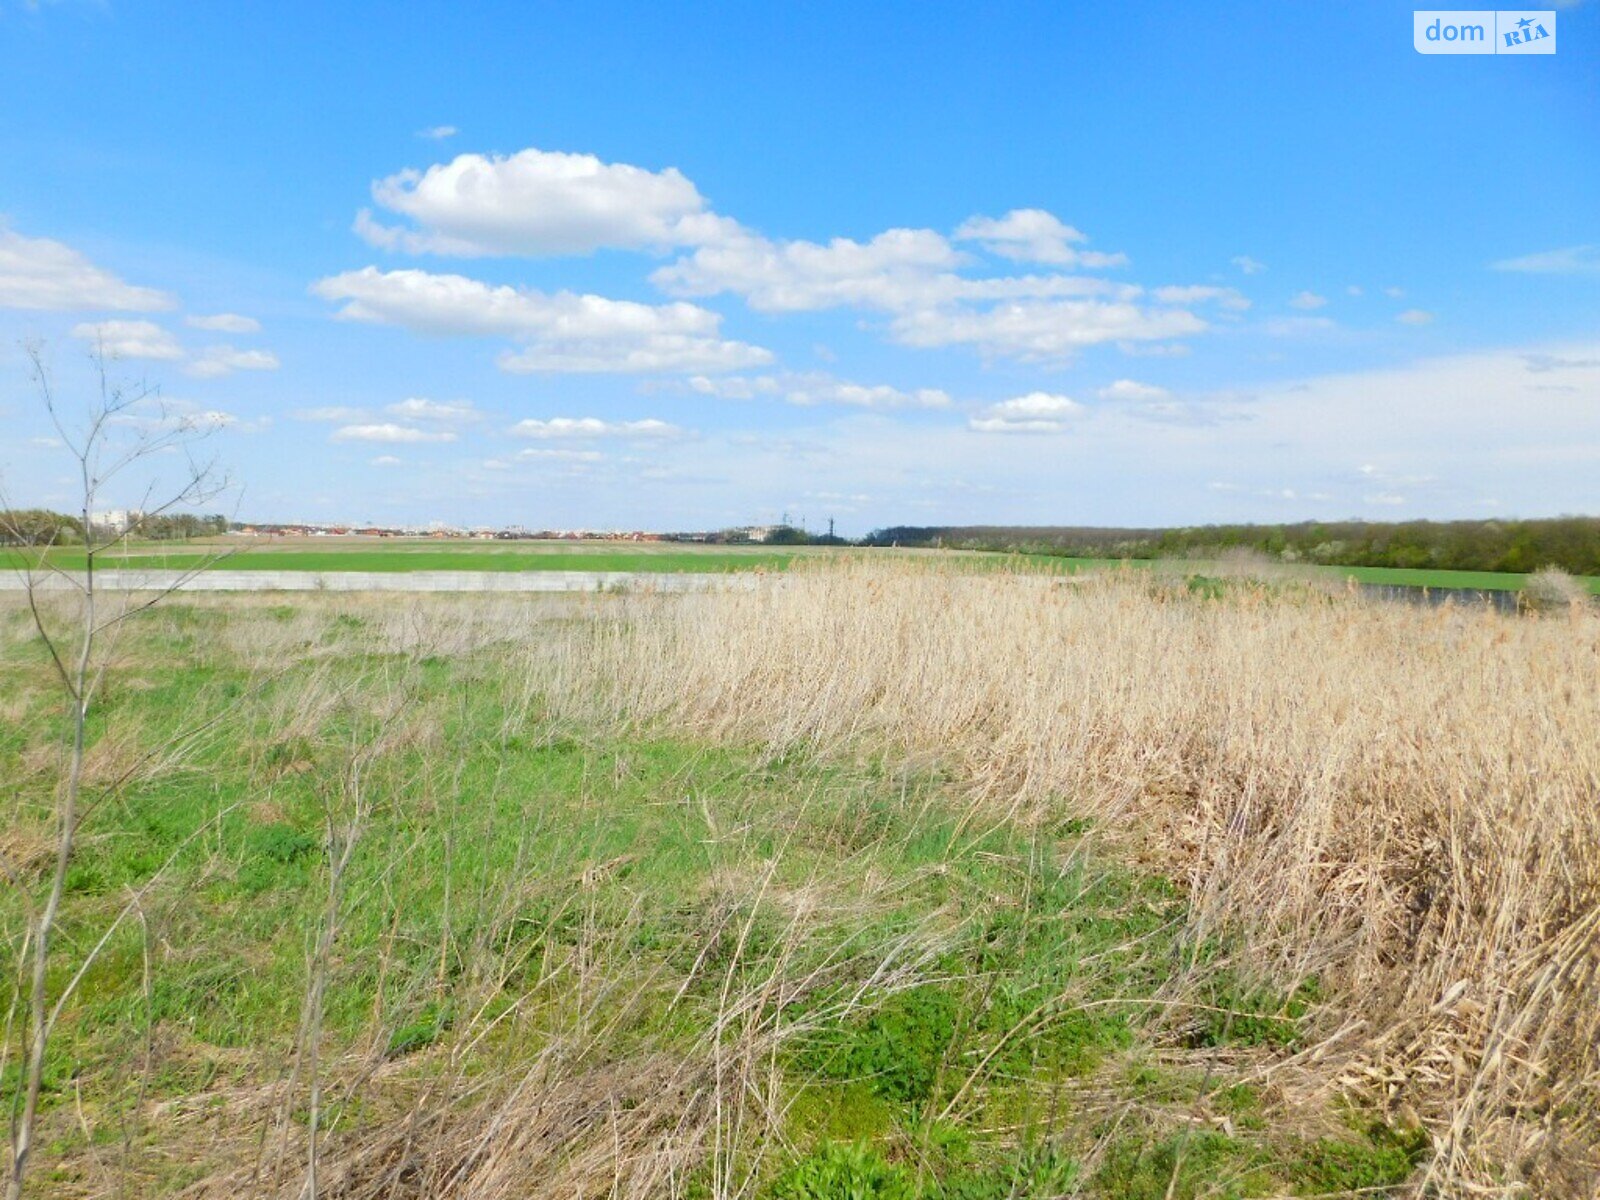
x,y
1521,31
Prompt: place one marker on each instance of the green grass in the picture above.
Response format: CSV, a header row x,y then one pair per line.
x,y
439,556
523,882
401,555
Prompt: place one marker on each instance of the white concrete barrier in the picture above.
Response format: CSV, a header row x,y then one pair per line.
x,y
388,581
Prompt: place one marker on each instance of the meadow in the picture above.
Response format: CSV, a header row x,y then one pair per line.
x,y
432,554
892,882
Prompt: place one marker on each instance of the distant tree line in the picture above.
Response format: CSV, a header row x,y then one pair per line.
x,y
41,527
176,526
1571,543
38,527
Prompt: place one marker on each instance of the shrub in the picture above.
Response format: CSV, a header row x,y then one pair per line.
x,y
1552,589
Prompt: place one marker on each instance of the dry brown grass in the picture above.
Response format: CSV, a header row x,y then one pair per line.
x,y
1405,801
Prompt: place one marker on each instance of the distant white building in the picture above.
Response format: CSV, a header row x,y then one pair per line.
x,y
115,520
760,533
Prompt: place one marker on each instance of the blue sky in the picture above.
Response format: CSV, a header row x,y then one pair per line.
x,y
688,266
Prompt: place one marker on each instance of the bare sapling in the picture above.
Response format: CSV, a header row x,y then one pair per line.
x,y
126,441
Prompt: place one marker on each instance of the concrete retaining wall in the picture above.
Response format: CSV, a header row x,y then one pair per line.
x,y
389,581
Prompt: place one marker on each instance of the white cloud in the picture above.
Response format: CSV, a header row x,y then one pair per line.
x,y
1037,412
913,275
333,412
1043,330
651,354
46,274
1394,293
130,339
1307,301
823,390
1248,265
216,361
592,427
892,270
419,408
815,388
1200,293
389,432
563,331
437,133
538,202
1415,316
1293,327
224,323
1353,290
1569,260
169,414
543,454
1130,389
735,387
1034,235
384,460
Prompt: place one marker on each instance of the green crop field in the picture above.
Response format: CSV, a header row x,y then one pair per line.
x,y
428,554
425,554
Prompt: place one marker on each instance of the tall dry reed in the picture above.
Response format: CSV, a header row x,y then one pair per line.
x,y
1403,801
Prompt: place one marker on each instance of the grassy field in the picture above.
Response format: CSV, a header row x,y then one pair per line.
x,y
426,554
892,884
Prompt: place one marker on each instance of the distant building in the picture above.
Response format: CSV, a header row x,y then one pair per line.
x,y
115,520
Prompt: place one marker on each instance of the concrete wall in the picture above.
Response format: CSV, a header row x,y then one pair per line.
x,y
388,581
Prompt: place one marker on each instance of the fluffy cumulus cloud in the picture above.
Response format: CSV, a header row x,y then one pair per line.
x,y
890,271
146,339
1226,297
935,288
130,339
1132,389
563,331
167,415
915,275
420,408
935,296
592,427
1043,330
224,323
537,202
1033,235
390,433
818,389
1037,412
338,413
1248,265
735,387
837,391
1307,301
44,274
216,361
